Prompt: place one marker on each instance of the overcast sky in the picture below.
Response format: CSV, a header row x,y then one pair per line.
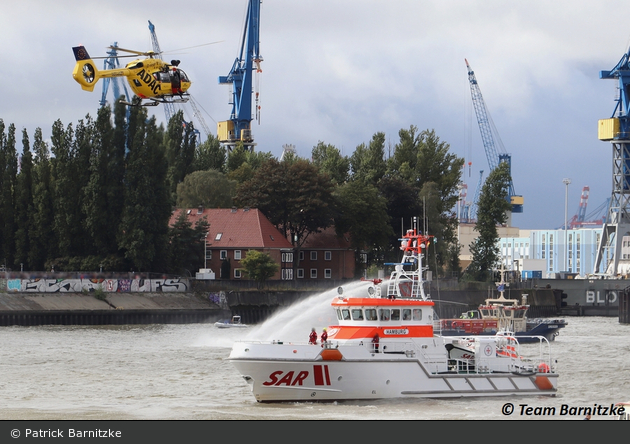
x,y
340,71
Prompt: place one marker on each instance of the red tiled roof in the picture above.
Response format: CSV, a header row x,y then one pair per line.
x,y
239,228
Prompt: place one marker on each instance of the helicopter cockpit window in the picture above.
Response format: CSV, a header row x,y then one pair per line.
x,y
164,77
183,76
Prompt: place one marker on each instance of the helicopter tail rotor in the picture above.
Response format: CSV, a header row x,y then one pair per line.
x,y
85,72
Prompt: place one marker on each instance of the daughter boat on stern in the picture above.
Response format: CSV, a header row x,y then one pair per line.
x,y
385,347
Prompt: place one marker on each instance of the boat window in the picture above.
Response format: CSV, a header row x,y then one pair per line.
x,y
370,314
357,314
395,314
406,314
417,314
339,314
346,314
384,314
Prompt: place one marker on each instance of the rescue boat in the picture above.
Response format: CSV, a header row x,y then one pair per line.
x,y
384,346
235,322
502,314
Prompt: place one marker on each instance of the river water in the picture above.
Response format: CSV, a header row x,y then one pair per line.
x,y
179,372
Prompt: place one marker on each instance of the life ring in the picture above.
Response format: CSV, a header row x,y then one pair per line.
x,y
543,368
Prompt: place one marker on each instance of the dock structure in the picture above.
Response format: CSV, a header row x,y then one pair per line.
x,y
624,307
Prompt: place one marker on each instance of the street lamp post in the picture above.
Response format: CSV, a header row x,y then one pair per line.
x,y
459,199
205,253
566,182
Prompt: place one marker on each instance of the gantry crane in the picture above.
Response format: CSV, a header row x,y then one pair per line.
x,y
169,108
111,62
495,152
247,64
616,130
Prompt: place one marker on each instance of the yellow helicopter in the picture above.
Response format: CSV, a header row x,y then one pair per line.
x,y
151,78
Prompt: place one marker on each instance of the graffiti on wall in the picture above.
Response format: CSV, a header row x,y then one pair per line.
x,y
107,285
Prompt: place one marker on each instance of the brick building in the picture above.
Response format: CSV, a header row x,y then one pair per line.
x,y
235,231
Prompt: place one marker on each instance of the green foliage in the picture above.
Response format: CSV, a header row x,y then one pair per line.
x,y
491,211
180,144
210,155
330,161
259,266
294,196
99,293
106,194
362,212
209,189
187,244
368,162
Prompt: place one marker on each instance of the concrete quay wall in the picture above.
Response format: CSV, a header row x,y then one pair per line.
x,y
204,305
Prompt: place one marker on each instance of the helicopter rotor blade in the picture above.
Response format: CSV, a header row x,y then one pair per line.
x,y
142,53
191,47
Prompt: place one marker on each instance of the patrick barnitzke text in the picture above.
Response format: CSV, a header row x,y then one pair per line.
x,y
72,433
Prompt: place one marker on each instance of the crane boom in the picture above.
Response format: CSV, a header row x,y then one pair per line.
x,y
495,152
111,62
169,108
616,130
247,64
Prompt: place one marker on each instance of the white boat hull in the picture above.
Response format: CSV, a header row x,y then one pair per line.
x,y
228,325
286,372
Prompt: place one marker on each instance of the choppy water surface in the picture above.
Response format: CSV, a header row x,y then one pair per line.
x,y
180,372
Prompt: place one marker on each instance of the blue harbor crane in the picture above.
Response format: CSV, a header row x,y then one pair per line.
x,y
111,62
616,130
495,152
169,108
247,64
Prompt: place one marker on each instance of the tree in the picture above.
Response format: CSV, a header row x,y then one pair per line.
x,y
492,211
144,224
24,208
424,163
180,150
362,212
209,189
43,241
402,206
295,197
329,160
210,155
259,266
403,162
368,162
7,200
100,220
187,244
